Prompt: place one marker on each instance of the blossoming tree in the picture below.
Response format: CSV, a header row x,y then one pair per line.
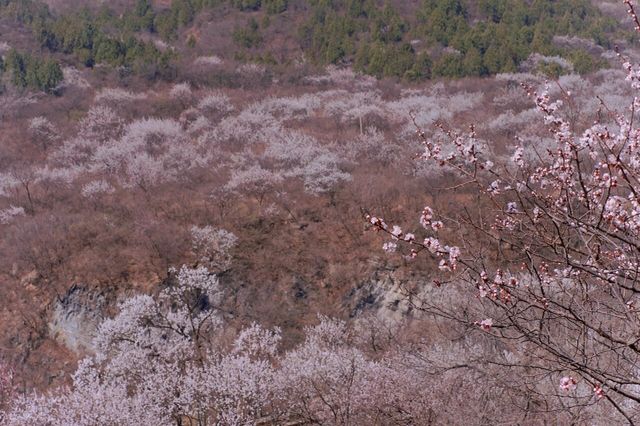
x,y
549,245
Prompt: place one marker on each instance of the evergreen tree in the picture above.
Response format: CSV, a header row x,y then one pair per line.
x,y
275,6
49,75
16,66
472,63
448,65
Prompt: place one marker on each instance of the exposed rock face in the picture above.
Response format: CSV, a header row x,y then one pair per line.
x,y
76,317
387,294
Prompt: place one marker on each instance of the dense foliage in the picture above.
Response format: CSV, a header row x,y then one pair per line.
x,y
91,39
450,38
440,38
30,71
84,36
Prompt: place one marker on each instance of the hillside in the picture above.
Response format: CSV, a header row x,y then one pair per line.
x,y
261,140
410,40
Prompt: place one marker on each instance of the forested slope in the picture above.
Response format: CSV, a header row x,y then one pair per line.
x,y
263,142
410,40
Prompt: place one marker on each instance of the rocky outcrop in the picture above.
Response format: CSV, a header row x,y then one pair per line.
x,y
76,316
387,294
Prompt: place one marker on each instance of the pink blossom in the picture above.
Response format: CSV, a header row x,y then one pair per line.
x,y
390,247
425,217
486,324
409,237
432,244
567,383
437,225
598,392
518,156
